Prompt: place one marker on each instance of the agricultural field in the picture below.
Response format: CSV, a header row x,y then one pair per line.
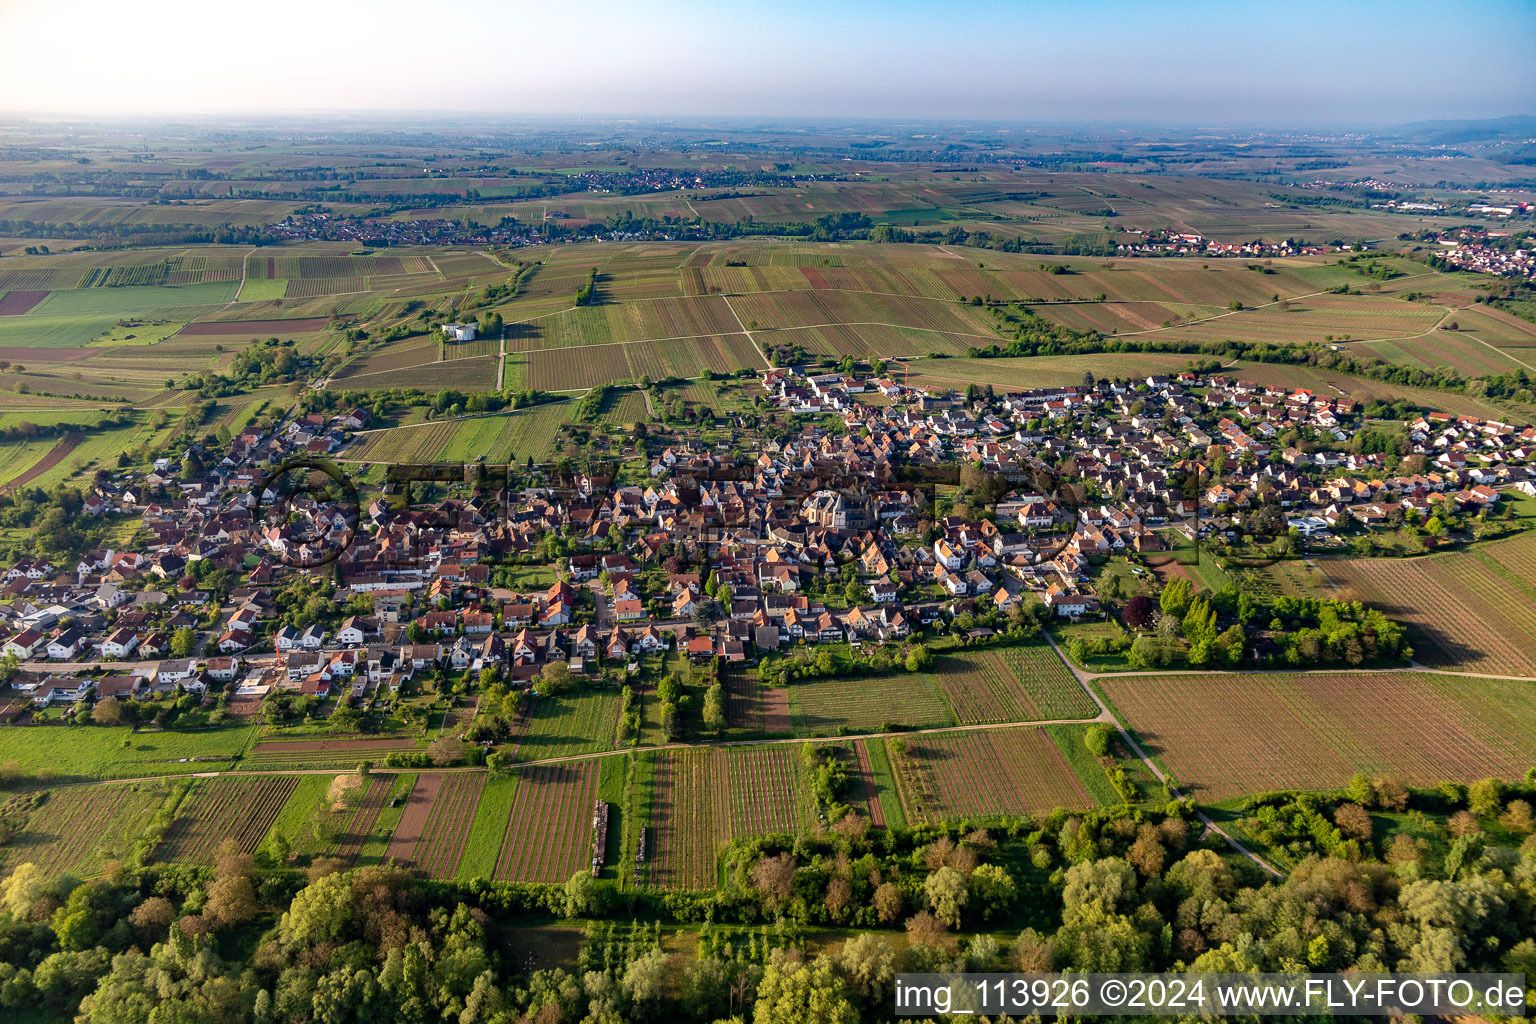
x,y
77,829
580,722
981,688
501,438
589,365
1474,611
766,792
365,813
116,752
819,707
985,773
690,820
270,754
1050,684
242,809
434,829
1222,735
743,700
548,834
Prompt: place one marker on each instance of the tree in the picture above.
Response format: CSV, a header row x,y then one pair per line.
x,y
1483,797
774,878
231,901
918,658
812,993
182,642
1354,822
556,678
1176,597
947,895
869,963
714,708
580,893
992,890
645,978
21,891
1138,612
1096,739
888,902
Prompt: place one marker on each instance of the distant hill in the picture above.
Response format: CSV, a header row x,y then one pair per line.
x,y
1457,132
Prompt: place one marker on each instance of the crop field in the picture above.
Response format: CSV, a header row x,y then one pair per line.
x,y
1473,611
636,320
217,809
255,328
548,836
330,753
765,790
78,829
581,722
15,303
396,355
866,703
981,688
690,821
1283,579
1122,317
354,833
433,832
591,365
1223,735
516,436
504,438
1317,317
624,407
1050,684
985,773
1497,327
743,700
1043,371
770,310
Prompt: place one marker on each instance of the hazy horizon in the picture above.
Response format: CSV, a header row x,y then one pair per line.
x,y
1191,64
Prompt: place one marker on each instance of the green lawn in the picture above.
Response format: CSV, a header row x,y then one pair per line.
x,y
612,775
115,752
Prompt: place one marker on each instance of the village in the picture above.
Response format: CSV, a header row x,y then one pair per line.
x,y
885,514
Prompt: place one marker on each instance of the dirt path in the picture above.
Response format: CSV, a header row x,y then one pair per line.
x,y
744,330
867,777
55,455
243,260
418,809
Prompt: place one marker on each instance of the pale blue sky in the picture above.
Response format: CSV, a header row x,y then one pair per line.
x,y
1290,62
